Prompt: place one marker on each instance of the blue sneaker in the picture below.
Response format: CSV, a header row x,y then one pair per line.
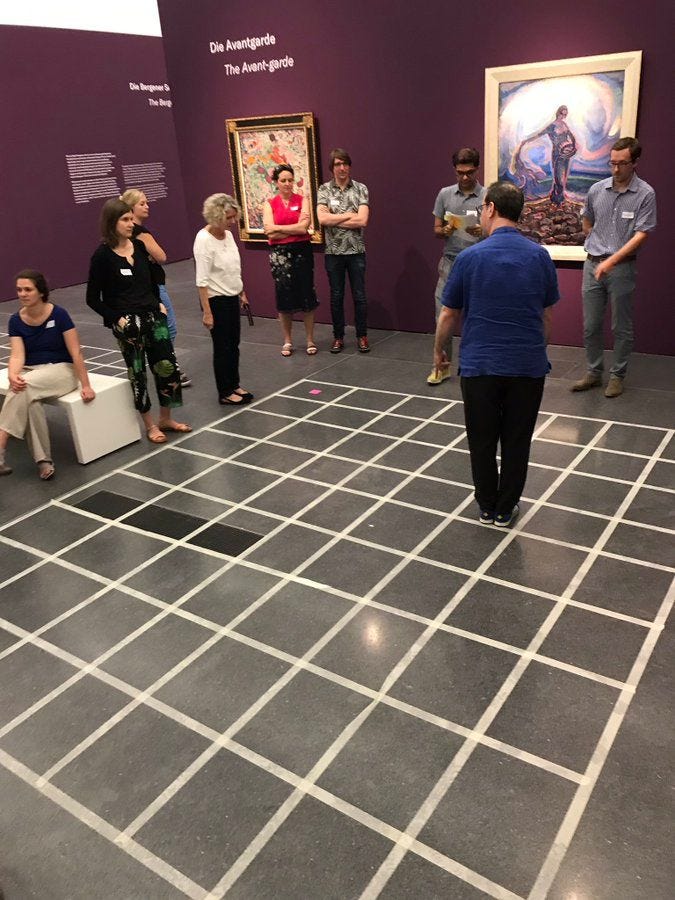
x,y
503,520
486,517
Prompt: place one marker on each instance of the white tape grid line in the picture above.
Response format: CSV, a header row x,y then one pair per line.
x,y
350,433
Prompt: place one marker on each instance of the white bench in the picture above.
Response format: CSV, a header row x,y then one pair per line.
x,y
106,424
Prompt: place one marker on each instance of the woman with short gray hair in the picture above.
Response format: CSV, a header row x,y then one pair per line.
x,y
221,293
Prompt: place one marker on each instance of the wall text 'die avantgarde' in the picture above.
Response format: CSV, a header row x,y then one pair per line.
x,y
247,43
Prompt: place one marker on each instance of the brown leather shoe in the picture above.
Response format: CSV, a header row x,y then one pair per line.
x,y
614,386
337,346
364,346
590,380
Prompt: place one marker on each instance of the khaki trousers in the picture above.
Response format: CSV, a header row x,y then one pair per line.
x,y
23,414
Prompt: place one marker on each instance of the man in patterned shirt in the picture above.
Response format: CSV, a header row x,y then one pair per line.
x,y
342,210
619,214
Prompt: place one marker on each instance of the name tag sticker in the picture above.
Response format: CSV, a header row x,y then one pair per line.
x,y
471,212
294,208
125,272
50,324
627,214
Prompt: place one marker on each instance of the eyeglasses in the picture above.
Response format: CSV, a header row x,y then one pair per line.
x,y
466,173
620,165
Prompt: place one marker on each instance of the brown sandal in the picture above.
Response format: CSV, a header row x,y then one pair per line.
x,y
155,435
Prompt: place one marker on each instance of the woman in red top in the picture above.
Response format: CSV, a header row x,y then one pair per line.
x,y
286,220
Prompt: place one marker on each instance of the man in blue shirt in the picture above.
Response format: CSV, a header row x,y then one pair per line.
x,y
506,287
619,214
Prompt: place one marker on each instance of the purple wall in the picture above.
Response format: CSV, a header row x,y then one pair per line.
x,y
400,86
67,92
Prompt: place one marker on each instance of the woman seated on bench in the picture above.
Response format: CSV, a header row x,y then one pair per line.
x,y
45,362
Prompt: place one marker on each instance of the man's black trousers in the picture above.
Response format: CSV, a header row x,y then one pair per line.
x,y
500,410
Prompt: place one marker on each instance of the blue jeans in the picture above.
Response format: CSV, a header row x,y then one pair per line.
x,y
617,286
354,265
170,314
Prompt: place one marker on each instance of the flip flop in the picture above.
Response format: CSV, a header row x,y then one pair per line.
x,y
312,349
179,427
155,438
287,350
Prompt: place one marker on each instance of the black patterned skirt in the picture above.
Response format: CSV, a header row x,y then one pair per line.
x,y
292,268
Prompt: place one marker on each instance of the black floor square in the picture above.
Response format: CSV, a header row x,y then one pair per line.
x,y
556,715
310,435
631,439
571,430
159,520
499,818
662,475
108,505
381,769
454,678
225,539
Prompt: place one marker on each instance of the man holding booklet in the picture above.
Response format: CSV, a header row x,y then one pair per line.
x,y
456,220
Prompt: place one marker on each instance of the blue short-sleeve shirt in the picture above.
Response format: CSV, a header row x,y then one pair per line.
x,y
43,343
503,285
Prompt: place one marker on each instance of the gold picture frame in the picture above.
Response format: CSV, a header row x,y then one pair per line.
x,y
256,146
549,127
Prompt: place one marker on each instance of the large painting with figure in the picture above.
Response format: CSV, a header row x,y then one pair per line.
x,y
549,127
256,146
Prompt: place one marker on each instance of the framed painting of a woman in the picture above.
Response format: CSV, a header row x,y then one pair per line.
x,y
549,127
259,144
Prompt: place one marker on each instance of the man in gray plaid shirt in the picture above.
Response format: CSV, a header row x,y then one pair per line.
x,y
342,210
619,214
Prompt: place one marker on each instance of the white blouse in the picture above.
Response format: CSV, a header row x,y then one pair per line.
x,y
218,264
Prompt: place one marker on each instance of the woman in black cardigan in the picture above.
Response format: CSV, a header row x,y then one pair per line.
x,y
121,290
